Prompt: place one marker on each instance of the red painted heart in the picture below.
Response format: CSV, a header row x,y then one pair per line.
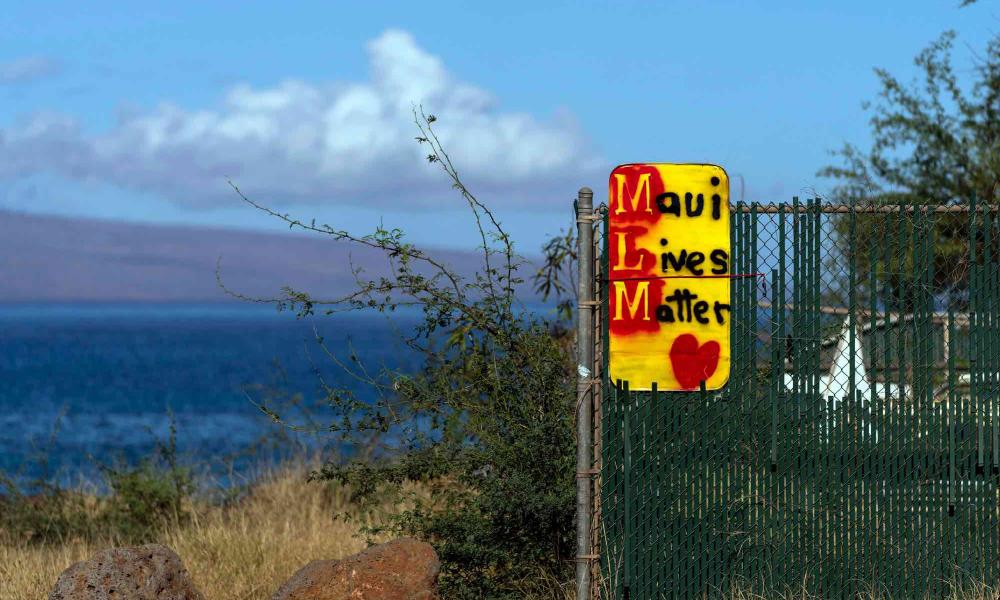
x,y
693,363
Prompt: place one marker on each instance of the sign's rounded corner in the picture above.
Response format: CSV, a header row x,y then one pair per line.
x,y
623,165
722,384
721,168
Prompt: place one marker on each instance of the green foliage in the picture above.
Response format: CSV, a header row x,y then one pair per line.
x,y
935,142
498,451
149,496
50,515
142,500
486,423
555,277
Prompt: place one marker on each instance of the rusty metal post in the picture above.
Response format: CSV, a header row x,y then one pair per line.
x,y
584,391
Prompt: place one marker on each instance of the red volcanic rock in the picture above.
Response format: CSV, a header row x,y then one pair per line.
x,y
402,569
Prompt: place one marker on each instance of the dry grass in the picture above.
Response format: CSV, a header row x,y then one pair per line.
x,y
245,551
971,592
241,552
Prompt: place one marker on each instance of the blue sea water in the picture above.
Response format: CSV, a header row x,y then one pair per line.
x,y
85,385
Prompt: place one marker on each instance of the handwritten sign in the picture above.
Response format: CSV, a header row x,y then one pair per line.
x,y
669,276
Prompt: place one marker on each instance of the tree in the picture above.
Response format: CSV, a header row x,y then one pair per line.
x,y
485,424
936,142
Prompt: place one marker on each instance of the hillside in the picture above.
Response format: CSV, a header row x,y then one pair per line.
x,y
59,259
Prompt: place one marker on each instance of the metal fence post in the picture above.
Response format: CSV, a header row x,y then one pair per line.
x,y
584,391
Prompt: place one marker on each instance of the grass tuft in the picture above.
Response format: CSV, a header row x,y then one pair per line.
x,y
242,550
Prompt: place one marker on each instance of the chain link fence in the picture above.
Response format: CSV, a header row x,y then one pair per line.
x,y
855,449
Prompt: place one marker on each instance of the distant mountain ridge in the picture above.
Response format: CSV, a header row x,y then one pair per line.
x,y
63,259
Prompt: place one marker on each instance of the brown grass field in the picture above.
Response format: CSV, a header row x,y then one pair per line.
x,y
244,551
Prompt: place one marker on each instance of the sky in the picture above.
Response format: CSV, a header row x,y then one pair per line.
x,y
132,112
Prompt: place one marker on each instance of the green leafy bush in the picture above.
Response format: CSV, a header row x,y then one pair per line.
x,y
486,424
146,498
498,454
48,515
141,501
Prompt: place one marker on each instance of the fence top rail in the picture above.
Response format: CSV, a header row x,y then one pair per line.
x,y
859,209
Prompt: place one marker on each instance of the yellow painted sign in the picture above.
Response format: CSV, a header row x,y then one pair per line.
x,y
669,276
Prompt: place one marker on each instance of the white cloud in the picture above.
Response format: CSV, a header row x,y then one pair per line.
x,y
28,68
339,143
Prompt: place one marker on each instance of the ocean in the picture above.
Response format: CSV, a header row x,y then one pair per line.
x,y
88,385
